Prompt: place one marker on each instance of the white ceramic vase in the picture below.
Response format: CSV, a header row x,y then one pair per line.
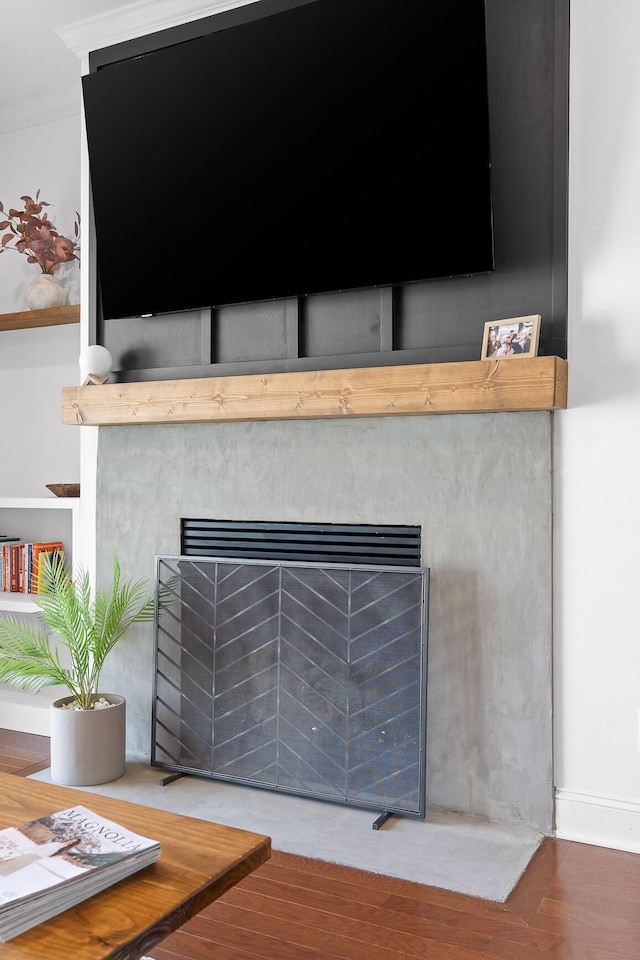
x,y
45,293
88,746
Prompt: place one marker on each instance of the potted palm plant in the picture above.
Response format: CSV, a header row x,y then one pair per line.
x,y
69,647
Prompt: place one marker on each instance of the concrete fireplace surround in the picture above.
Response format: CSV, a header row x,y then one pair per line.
x,y
480,486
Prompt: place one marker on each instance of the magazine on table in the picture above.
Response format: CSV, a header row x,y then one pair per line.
x,y
52,863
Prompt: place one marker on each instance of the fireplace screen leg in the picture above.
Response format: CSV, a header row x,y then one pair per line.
x,y
170,779
381,820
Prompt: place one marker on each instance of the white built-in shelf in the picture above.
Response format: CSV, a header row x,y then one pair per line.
x,y
37,518
17,603
39,503
34,518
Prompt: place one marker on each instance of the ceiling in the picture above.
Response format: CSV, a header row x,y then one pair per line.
x,y
38,73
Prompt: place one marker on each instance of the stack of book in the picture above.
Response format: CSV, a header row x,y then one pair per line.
x,y
21,569
53,863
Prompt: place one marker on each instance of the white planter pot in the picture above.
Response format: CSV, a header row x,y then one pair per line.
x,y
88,746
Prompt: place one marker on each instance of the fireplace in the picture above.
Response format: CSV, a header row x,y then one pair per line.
x,y
478,487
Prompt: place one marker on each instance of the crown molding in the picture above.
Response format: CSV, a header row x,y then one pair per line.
x,y
138,20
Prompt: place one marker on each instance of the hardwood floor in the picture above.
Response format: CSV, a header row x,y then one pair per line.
x,y
574,902
23,753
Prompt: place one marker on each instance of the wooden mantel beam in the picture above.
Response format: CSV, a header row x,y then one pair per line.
x,y
479,386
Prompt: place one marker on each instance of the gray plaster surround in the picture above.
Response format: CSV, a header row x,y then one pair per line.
x,y
480,486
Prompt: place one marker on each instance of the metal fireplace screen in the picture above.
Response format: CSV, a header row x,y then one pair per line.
x,y
296,677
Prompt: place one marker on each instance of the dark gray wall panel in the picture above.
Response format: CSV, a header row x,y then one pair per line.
x,y
250,332
148,342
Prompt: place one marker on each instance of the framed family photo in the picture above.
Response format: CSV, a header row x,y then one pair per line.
x,y
511,339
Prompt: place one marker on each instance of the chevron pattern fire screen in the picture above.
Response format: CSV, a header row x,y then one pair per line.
x,y
297,677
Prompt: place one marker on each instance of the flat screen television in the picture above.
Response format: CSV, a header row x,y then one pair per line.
x,y
309,147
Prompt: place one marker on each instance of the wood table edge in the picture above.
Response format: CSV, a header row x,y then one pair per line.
x,y
35,795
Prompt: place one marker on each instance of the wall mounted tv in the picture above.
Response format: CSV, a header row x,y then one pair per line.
x,y
300,148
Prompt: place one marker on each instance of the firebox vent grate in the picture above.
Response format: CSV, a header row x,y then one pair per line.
x,y
390,545
304,678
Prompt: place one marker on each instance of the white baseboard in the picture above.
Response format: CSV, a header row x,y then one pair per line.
x,y
26,712
602,821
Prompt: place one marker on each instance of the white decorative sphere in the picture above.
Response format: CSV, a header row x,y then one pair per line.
x,y
95,360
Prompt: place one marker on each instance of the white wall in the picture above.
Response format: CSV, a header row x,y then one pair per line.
x,y
36,364
597,630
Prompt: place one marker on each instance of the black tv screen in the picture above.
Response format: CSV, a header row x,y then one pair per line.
x,y
331,145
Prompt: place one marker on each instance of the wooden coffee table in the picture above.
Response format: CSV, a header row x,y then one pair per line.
x,y
198,863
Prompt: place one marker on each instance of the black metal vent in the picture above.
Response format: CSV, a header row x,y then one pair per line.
x,y
302,542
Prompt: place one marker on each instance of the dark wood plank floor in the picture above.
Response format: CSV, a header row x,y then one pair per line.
x,y
574,902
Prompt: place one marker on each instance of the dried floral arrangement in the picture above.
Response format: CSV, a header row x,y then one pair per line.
x,y
30,232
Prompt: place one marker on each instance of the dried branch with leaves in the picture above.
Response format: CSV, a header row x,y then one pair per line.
x,y
31,232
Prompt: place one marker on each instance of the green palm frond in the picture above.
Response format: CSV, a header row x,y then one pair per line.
x,y
89,629
28,658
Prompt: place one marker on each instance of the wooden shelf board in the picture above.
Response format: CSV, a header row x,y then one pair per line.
x,y
479,386
40,318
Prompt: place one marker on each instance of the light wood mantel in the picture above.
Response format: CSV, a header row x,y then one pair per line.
x,y
479,386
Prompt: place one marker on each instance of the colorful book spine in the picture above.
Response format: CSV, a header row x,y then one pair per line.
x,y
5,543
6,578
14,567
